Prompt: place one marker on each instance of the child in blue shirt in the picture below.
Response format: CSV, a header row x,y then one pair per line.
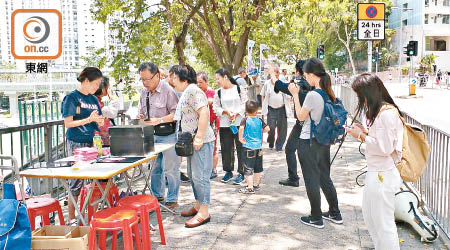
x,y
250,135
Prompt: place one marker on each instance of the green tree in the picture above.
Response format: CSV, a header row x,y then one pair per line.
x,y
428,61
95,58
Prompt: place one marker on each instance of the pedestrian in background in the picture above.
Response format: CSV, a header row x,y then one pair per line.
x,y
203,84
383,139
277,108
229,105
292,142
109,110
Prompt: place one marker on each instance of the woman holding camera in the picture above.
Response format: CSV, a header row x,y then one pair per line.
x,y
193,114
314,157
383,140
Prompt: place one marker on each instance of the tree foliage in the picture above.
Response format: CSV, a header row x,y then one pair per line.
x,y
215,33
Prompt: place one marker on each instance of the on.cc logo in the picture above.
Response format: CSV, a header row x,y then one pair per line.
x,y
36,29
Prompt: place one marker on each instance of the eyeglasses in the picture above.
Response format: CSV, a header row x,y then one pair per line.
x,y
148,80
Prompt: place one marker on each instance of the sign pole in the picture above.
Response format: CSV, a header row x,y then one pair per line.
x,y
376,61
369,56
371,27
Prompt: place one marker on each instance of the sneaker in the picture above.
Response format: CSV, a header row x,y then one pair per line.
x,y
238,180
289,182
160,199
213,174
271,146
184,178
227,177
307,220
333,218
246,190
256,188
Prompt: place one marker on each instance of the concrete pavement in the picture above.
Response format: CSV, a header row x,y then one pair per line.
x,y
270,219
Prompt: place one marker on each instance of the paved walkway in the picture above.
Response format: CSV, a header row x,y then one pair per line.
x,y
270,219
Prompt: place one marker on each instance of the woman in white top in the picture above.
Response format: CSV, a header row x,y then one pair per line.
x,y
383,139
229,106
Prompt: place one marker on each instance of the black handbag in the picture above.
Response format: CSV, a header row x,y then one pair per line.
x,y
162,129
185,144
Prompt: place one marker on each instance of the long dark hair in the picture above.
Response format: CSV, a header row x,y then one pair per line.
x,y
369,87
223,72
186,73
315,66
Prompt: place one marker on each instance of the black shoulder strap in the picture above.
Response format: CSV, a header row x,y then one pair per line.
x,y
219,93
148,105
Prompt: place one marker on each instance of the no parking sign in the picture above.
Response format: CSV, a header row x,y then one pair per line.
x,y
371,21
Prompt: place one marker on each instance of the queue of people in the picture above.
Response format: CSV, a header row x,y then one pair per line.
x,y
185,102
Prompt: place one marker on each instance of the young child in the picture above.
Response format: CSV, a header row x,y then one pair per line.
x,y
250,135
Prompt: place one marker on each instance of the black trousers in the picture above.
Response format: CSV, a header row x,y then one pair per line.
x,y
290,149
277,121
315,163
228,142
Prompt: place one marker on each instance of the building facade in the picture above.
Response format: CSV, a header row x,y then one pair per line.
x,y
428,23
81,33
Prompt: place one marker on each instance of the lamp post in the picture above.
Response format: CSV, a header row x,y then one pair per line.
x,y
400,41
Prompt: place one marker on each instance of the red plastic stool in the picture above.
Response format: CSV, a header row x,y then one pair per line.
x,y
42,206
113,197
144,204
113,220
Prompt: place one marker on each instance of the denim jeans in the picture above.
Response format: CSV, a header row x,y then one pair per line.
x,y
291,148
199,167
277,120
315,162
167,165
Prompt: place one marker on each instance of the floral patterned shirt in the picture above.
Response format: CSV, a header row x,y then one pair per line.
x,y
192,100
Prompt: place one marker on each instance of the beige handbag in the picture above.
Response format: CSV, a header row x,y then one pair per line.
x,y
415,150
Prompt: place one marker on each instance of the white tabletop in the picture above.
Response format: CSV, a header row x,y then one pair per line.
x,y
93,170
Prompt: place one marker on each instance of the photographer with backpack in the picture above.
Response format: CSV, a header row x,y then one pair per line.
x,y
383,140
314,154
292,142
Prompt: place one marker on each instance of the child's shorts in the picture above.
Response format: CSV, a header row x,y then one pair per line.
x,y
252,160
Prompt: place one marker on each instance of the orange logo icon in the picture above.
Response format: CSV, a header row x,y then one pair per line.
x,y
36,34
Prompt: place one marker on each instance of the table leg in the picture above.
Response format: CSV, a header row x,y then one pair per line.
x,y
148,184
75,203
104,193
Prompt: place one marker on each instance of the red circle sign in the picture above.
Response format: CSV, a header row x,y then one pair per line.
x,y
371,11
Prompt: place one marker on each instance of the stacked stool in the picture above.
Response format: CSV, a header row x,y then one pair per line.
x,y
113,196
143,205
113,220
42,206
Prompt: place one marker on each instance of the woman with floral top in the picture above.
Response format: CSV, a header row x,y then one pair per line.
x,y
193,114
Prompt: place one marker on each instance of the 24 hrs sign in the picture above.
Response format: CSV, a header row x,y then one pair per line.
x,y
371,21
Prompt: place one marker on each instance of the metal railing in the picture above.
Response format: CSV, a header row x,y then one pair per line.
x,y
45,146
433,188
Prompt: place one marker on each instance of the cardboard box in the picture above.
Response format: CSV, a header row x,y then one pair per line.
x,y
60,238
